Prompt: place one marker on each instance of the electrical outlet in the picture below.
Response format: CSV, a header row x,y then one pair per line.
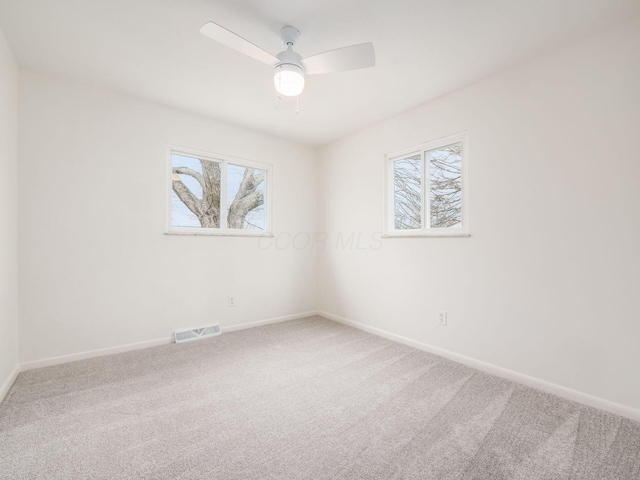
x,y
231,301
442,318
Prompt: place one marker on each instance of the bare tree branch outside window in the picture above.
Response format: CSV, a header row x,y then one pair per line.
x,y
445,186
196,185
245,197
444,202
407,192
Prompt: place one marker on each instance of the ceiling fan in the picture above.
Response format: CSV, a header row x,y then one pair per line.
x,y
290,68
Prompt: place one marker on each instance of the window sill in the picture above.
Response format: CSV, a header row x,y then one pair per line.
x,y
220,233
426,235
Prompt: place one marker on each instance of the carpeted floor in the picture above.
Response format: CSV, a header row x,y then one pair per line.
x,y
306,399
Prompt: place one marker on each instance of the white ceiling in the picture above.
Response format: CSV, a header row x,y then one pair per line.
x,y
425,48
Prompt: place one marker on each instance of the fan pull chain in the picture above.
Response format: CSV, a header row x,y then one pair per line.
x,y
297,104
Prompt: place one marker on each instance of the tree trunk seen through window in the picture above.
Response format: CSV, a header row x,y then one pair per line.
x,y
206,208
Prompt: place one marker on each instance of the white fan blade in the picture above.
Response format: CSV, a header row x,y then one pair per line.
x,y
230,39
340,59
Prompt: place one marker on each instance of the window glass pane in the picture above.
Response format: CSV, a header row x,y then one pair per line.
x,y
245,197
445,184
195,193
407,193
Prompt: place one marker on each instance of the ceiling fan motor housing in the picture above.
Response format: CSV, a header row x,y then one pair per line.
x,y
289,36
290,58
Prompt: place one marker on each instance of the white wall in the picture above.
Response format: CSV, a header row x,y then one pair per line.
x,y
547,285
97,269
8,214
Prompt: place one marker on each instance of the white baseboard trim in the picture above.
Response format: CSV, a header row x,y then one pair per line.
x,y
47,362
533,382
259,323
4,388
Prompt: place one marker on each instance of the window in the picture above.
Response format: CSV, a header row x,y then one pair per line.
x,y
217,195
426,189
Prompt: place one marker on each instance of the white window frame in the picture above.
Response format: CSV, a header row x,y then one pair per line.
x,y
389,220
224,160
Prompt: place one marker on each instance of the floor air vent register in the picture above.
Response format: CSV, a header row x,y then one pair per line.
x,y
197,333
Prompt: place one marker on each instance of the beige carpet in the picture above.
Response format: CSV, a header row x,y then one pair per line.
x,y
307,399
